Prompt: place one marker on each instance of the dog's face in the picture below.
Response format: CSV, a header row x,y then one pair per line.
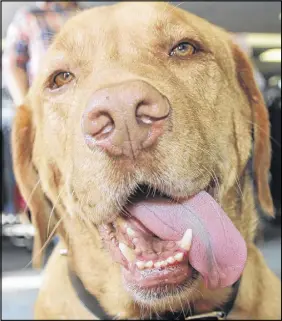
x,y
139,123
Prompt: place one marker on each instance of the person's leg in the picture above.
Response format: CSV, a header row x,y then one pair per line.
x,y
9,205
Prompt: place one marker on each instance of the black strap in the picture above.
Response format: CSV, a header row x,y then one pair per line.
x,y
219,313
89,301
229,305
92,304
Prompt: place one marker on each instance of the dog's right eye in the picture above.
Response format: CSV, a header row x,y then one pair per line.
x,y
60,79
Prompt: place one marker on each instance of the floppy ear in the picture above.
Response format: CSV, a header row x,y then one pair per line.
x,y
23,133
261,130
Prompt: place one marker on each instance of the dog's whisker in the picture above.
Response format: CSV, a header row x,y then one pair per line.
x,y
31,195
179,4
179,297
210,153
258,127
53,208
52,233
169,303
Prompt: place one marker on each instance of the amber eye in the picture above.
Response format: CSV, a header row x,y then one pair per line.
x,y
62,78
183,49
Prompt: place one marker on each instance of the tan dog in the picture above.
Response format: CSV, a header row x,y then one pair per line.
x,y
147,96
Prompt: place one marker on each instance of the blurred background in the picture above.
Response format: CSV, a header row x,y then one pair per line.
x,y
256,27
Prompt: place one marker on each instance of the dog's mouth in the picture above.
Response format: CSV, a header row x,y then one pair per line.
x,y
162,242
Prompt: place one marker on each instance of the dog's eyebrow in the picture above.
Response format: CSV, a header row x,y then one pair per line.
x,y
57,58
175,30
54,62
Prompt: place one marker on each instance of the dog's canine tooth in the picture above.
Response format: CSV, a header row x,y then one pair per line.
x,y
149,264
170,260
179,256
127,252
185,242
140,265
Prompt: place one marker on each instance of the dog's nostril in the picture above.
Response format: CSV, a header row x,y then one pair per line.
x,y
108,128
148,113
145,119
100,125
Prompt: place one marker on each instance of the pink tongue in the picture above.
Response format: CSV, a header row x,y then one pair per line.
x,y
218,251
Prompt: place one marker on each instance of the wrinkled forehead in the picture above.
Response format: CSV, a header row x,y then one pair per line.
x,y
129,29
145,21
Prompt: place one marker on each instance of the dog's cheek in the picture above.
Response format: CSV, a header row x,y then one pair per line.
x,y
194,138
51,155
54,129
233,135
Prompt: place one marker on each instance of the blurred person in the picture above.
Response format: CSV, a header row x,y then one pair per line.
x,y
28,36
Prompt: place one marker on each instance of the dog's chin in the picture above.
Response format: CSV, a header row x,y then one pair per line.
x,y
157,290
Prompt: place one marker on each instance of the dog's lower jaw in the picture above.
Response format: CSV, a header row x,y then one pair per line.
x,y
160,297
192,296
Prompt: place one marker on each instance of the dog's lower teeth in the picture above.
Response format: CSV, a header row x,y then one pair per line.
x,y
140,265
179,257
149,264
164,263
170,260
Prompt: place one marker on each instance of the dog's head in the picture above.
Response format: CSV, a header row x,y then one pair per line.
x,y
137,127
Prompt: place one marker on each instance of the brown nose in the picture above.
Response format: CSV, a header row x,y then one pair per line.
x,y
125,118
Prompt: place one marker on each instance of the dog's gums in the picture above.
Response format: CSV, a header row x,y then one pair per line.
x,y
147,261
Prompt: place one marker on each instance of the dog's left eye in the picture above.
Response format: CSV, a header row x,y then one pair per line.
x,y
60,79
183,49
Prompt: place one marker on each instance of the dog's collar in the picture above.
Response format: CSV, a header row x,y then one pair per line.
x,y
92,304
219,313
